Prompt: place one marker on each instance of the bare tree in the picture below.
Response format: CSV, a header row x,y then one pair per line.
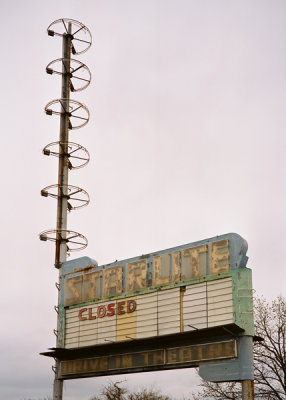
x,y
270,354
147,394
269,357
113,391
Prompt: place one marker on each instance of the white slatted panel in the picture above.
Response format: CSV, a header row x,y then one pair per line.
x,y
72,329
106,328
169,311
88,331
146,324
80,333
195,307
220,304
204,305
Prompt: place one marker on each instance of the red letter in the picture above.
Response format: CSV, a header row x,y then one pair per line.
x,y
81,318
120,306
131,306
110,309
101,311
90,316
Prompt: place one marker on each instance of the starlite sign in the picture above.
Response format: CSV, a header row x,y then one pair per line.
x,y
150,272
198,294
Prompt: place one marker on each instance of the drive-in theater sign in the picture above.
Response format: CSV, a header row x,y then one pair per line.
x,y
188,306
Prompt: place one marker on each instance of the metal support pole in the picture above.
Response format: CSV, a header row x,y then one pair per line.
x,y
247,390
61,246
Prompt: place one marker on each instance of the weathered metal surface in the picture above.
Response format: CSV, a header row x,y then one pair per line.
x,y
194,262
220,257
68,197
197,306
137,275
91,285
139,361
237,369
62,202
202,352
247,390
243,299
61,327
200,336
113,281
186,290
162,271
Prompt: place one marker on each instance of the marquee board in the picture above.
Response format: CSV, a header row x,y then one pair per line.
x,y
170,358
169,296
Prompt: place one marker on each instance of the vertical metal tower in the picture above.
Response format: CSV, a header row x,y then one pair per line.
x,y
75,76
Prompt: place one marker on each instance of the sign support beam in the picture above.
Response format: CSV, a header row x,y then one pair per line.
x,y
247,390
62,206
75,76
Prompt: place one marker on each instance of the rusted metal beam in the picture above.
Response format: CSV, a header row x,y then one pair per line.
x,y
247,390
62,206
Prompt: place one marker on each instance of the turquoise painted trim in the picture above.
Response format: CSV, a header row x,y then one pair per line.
x,y
238,369
243,299
81,262
237,248
61,327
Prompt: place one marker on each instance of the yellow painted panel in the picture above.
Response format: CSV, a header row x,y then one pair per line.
x,y
126,323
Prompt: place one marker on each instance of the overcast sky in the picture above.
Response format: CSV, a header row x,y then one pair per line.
x,y
187,141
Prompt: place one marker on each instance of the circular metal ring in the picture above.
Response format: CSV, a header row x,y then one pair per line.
x,y
79,73
74,240
80,34
77,113
76,197
78,155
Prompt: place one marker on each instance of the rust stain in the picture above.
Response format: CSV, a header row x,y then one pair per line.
x,y
144,256
182,292
85,270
